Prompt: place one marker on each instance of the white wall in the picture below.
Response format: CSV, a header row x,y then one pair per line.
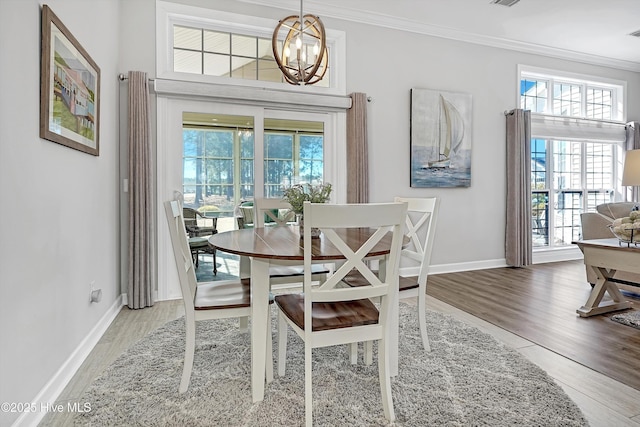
x,y
386,64
58,206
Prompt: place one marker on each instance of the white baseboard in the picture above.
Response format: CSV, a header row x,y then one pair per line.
x,y
52,390
540,257
554,255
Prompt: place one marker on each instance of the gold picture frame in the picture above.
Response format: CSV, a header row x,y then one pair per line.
x,y
69,89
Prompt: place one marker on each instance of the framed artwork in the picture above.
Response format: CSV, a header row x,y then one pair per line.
x,y
69,89
440,138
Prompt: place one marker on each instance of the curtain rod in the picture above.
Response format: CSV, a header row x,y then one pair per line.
x,y
122,77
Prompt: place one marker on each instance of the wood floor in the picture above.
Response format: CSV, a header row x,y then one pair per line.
x,y
521,299
539,304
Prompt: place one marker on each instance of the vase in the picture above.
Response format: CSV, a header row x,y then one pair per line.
x,y
315,232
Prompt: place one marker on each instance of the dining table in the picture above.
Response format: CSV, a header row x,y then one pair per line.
x,y
264,247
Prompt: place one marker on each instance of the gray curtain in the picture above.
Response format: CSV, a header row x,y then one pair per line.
x,y
518,246
142,267
633,143
357,152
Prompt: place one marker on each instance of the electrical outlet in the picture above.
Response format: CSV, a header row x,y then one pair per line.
x,y
95,294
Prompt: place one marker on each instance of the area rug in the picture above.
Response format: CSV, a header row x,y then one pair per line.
x,y
468,379
629,318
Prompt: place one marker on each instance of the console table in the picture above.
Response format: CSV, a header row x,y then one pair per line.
x,y
604,257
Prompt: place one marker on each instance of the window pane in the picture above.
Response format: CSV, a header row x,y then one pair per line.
x,y
540,218
243,68
265,49
599,103
185,61
533,95
311,147
567,165
219,144
191,139
567,100
599,166
244,46
595,198
216,65
268,71
538,164
567,217
187,38
246,144
278,146
217,42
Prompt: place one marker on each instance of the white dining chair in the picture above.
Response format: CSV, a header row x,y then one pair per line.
x,y
422,214
281,214
204,301
332,314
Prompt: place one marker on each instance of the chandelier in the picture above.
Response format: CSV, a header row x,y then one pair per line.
x,y
300,48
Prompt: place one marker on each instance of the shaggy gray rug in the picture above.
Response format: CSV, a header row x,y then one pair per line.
x,y
469,379
629,318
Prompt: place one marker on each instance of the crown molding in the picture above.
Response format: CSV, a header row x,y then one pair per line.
x,y
402,24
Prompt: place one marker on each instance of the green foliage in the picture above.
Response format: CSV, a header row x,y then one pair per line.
x,y
300,193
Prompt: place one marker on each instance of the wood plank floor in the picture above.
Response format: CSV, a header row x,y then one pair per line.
x,y
539,304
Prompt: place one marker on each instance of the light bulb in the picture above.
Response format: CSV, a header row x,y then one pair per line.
x,y
316,48
287,51
298,42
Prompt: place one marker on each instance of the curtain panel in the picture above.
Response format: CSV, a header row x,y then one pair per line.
x,y
142,239
632,143
357,151
518,243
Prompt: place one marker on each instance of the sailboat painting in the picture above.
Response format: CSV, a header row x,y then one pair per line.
x,y
440,138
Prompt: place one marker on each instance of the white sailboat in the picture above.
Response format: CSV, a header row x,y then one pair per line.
x,y
450,135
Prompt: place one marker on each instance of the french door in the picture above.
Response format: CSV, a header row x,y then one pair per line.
x,y
218,155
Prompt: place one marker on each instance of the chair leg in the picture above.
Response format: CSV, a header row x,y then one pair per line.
x,y
215,263
368,353
422,318
244,324
282,345
353,350
308,399
385,380
189,349
269,361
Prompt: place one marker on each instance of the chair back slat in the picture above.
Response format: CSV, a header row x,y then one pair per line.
x,y
420,226
385,219
181,252
272,209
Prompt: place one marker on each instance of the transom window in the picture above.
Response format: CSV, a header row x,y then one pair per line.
x,y
204,45
570,174
224,54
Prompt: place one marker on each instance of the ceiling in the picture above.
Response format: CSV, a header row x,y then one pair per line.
x,y
592,31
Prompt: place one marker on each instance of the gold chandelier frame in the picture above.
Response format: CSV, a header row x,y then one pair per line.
x,y
292,58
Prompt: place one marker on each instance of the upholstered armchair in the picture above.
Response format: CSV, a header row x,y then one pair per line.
x,y
595,226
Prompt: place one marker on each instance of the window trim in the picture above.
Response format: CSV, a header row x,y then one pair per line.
x,y
170,14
